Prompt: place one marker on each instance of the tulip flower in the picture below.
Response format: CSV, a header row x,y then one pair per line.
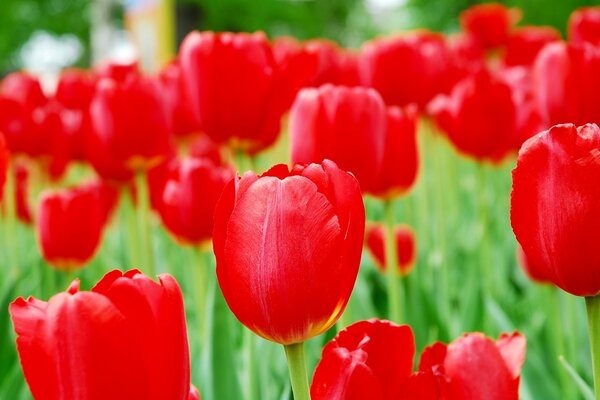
x,y
288,247
4,163
189,196
130,122
405,243
124,339
352,127
22,183
70,224
235,88
533,271
525,43
336,65
374,359
554,205
24,89
194,393
490,24
584,26
412,68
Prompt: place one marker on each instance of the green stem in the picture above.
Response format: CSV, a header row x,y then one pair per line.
x,y
391,260
485,251
201,285
144,224
297,365
593,312
130,231
251,372
10,224
559,340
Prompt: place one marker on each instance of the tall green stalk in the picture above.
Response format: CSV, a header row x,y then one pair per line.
x,y
10,224
391,260
297,366
144,224
593,313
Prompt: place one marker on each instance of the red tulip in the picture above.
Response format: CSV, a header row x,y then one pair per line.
x,y
405,244
22,181
479,116
69,225
337,66
179,106
353,127
533,271
235,87
194,393
368,360
288,247
203,147
189,196
525,43
126,339
584,26
24,89
554,206
566,78
4,163
412,68
490,24
130,123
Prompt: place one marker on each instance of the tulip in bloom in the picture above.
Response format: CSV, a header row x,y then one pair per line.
x,y
584,26
288,247
235,87
70,224
374,359
489,24
405,244
353,127
4,162
555,204
533,271
525,43
125,339
189,196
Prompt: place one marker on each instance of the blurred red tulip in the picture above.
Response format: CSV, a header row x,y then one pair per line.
x,y
24,89
70,224
567,78
525,43
533,271
490,24
22,181
130,123
4,163
336,65
479,116
189,195
179,106
235,87
352,127
126,339
405,243
288,248
194,393
584,26
555,206
367,360
203,147
411,68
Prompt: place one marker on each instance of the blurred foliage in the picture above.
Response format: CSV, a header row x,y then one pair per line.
x,y
349,22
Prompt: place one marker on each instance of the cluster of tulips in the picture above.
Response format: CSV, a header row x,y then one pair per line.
x,y
288,242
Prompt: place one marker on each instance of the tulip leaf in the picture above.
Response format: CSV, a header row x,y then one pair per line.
x,y
583,387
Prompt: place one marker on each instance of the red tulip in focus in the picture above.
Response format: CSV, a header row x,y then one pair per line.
x,y
584,26
368,360
405,243
235,87
352,127
374,359
555,206
189,195
288,247
525,43
130,124
412,68
489,24
125,339
70,224
4,163
479,116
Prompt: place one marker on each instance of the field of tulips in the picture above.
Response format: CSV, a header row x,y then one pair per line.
x,y
267,218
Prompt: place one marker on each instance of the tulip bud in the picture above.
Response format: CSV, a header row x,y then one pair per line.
x,y
584,26
69,225
288,247
489,24
555,206
405,243
125,339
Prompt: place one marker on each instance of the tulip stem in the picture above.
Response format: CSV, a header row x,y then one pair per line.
x,y
10,225
391,260
297,365
128,215
250,354
144,226
593,312
201,285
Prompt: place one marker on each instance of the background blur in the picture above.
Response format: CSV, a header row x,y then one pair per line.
x,y
47,35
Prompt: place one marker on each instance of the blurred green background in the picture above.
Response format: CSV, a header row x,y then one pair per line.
x,y
70,23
